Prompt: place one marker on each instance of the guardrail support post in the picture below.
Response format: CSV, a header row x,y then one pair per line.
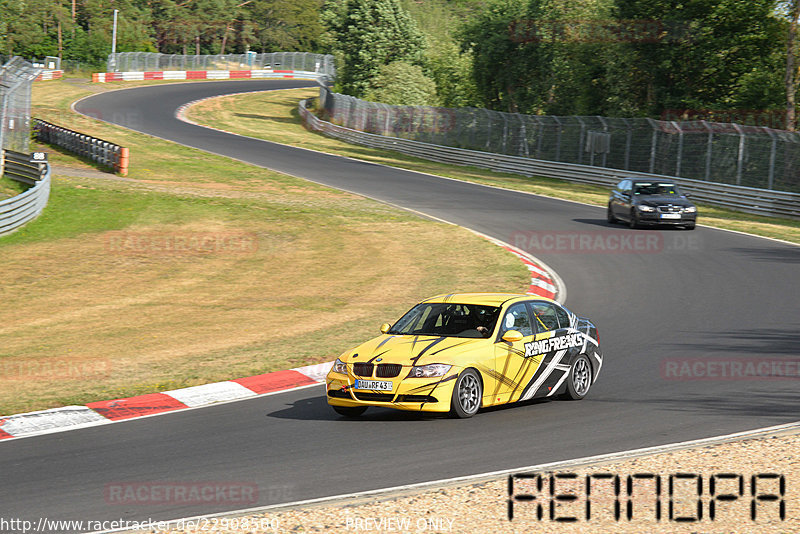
x,y
123,161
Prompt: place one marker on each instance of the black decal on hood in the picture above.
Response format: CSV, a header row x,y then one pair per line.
x,y
433,343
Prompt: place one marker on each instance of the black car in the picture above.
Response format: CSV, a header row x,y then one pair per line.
x,y
649,202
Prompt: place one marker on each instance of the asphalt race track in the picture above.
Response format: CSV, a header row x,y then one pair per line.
x,y
701,295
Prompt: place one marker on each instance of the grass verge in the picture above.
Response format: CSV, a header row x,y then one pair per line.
x,y
10,188
273,116
197,268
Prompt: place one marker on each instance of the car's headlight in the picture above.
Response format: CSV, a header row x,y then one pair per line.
x,y
642,207
428,371
689,209
339,367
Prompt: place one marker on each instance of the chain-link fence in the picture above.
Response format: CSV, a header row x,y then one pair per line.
x,y
152,61
715,152
16,77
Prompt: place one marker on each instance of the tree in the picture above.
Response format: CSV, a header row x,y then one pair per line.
x,y
627,57
403,84
451,71
707,58
791,78
368,34
287,26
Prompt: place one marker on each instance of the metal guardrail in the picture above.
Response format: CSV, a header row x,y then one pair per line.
x,y
23,208
111,155
745,199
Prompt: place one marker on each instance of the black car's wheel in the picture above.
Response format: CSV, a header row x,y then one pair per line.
x,y
580,378
467,394
690,226
349,411
610,215
634,222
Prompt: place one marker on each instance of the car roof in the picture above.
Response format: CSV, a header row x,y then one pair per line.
x,y
486,299
650,181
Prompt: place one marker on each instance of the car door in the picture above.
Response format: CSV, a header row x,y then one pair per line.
x,y
553,348
614,199
622,203
511,364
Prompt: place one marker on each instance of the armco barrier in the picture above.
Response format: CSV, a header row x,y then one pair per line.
x,y
23,208
113,156
746,199
102,77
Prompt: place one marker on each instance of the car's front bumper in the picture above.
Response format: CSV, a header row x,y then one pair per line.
x,y
417,394
655,218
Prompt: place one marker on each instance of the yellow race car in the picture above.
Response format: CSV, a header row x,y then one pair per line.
x,y
458,353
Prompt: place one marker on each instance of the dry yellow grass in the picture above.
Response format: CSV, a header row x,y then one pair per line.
x,y
272,272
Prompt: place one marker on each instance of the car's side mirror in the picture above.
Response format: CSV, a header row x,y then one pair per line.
x,y
512,336
385,328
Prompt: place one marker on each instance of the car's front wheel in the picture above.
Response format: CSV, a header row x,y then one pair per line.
x,y
634,222
467,394
580,378
349,411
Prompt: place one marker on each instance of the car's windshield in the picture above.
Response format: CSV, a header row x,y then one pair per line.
x,y
448,320
655,188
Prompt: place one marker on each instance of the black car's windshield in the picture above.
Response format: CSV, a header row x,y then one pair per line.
x,y
448,320
655,188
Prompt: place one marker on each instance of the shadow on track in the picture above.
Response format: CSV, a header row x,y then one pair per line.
x,y
757,343
778,255
317,409
757,402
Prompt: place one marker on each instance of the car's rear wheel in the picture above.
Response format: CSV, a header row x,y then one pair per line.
x,y
610,215
467,394
634,222
580,378
349,411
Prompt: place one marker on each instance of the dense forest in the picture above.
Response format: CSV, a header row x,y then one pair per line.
x,y
715,59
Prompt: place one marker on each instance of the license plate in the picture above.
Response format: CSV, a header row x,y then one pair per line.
x,y
375,385
670,215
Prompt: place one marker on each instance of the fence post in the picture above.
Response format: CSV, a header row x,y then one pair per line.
x,y
740,156
680,149
581,140
489,130
628,138
523,132
709,149
772,154
653,144
4,117
505,131
558,138
605,129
